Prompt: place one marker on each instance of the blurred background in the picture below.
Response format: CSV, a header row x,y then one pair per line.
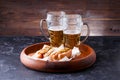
x,y
21,17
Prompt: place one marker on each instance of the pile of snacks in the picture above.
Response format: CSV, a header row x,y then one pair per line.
x,y
49,53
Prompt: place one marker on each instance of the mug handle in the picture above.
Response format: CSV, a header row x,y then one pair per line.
x,y
41,28
88,32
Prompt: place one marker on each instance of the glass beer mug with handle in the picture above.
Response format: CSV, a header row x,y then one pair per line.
x,y
72,32
55,27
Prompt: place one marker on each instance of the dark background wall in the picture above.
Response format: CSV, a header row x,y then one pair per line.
x,y
21,17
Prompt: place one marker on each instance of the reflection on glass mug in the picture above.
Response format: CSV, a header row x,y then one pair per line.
x,y
55,27
72,32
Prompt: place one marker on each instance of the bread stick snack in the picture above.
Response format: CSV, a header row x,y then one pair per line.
x,y
60,54
39,53
67,54
49,53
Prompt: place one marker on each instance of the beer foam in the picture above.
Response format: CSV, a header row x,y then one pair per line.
x,y
72,32
55,28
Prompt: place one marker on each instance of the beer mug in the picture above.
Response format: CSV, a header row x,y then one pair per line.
x,y
55,27
72,32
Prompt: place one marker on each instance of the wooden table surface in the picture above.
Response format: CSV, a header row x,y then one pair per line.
x,y
21,17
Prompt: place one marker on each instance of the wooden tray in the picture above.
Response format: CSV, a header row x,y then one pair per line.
x,y
85,60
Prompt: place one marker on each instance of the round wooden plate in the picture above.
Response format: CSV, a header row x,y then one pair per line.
x,y
85,60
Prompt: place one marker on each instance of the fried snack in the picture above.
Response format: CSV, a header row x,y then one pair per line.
x,y
67,54
49,52
54,57
45,49
41,52
57,50
60,54
37,55
57,53
64,50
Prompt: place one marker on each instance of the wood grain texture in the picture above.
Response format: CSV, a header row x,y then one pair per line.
x,y
21,17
